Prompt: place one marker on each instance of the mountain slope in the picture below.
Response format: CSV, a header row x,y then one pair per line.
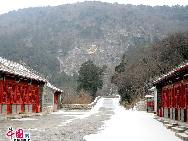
x,y
61,38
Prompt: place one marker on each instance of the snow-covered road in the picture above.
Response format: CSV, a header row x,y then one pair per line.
x,y
106,121
129,125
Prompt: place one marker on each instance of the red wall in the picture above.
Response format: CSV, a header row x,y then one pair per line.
x,y
175,96
22,93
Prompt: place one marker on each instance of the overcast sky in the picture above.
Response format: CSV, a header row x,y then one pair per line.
x,y
9,5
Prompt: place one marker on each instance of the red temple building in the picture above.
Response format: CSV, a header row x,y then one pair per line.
x,y
172,94
23,91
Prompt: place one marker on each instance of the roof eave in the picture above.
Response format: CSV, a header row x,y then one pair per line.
x,y
40,79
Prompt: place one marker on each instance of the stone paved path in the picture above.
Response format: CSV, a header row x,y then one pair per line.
x,y
63,126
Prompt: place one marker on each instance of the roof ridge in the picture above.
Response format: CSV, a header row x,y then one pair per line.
x,y
163,76
20,69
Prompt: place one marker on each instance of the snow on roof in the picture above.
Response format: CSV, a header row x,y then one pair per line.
x,y
23,71
172,72
18,69
53,87
149,96
152,89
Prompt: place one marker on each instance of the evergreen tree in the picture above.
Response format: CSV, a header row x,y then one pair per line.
x,y
90,78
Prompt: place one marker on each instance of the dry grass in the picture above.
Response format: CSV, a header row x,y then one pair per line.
x,y
132,104
81,98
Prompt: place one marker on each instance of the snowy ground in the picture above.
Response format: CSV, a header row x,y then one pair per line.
x,y
107,121
132,126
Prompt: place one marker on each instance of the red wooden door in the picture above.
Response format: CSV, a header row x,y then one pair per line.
x,y
1,95
9,108
178,94
35,99
186,99
56,101
164,98
1,91
8,89
170,90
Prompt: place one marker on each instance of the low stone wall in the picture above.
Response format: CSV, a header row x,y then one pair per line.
x,y
18,115
47,109
112,96
172,121
76,106
141,106
80,106
15,108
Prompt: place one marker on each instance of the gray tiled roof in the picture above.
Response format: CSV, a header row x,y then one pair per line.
x,y
18,69
170,73
53,87
14,68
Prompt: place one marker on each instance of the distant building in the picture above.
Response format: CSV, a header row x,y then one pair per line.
x,y
172,94
153,92
149,103
23,91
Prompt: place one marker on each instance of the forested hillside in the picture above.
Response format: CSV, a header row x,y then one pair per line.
x,y
56,40
141,65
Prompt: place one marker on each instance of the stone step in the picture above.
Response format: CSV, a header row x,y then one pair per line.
x,y
184,127
160,120
182,136
178,129
156,117
165,122
2,117
186,132
169,126
174,124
